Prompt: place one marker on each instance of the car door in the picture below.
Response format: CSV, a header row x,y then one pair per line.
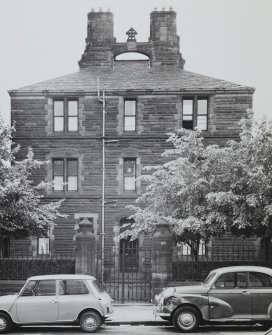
x,y
260,287
229,297
38,302
74,296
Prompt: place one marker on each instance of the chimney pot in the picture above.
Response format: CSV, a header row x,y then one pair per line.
x,y
163,8
100,9
93,10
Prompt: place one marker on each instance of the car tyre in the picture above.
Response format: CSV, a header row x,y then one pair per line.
x,y
186,319
5,323
90,321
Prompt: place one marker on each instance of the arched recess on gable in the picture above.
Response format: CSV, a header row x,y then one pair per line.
x,y
131,55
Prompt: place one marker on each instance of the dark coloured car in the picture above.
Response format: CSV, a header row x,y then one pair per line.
x,y
230,294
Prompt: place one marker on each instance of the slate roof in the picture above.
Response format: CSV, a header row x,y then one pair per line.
x,y
133,75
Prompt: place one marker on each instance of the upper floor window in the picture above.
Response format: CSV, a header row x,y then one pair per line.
x,y
65,115
129,174
130,115
65,174
195,113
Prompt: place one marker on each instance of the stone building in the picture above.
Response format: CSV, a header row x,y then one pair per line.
x,y
62,120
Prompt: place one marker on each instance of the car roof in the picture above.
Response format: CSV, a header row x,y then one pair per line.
x,y
247,268
61,276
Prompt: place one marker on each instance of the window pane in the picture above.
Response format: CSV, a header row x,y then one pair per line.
x,y
202,106
72,108
130,107
130,123
188,124
72,287
45,287
72,183
129,184
229,280
59,123
259,280
72,123
28,289
187,117
186,249
58,108
72,167
202,248
220,282
58,183
202,122
43,244
58,167
129,167
241,280
188,107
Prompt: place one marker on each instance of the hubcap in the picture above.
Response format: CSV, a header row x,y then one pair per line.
x,y
186,320
3,323
90,322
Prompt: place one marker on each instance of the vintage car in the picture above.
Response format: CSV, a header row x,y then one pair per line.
x,y
57,299
230,294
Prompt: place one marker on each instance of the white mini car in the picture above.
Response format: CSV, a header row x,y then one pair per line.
x,y
57,299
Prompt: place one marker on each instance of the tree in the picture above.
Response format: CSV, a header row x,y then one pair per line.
x,y
205,191
23,211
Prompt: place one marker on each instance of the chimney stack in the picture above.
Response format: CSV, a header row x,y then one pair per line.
x,y
99,39
163,35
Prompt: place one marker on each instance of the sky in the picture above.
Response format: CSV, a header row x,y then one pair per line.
x,y
225,39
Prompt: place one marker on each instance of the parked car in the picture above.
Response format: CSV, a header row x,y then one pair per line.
x,y
235,293
57,299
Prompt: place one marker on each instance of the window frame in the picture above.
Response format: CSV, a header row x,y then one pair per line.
x,y
38,246
65,161
195,114
134,159
65,117
126,117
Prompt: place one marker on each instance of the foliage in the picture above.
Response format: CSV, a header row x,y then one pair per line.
x,y
22,209
204,191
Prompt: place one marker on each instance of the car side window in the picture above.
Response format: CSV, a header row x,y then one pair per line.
x,y
72,287
232,280
259,280
45,287
225,281
241,279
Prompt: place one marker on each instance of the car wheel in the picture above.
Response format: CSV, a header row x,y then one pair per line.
x,y
186,319
5,323
90,321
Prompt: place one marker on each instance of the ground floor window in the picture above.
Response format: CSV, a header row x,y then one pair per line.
x,y
128,250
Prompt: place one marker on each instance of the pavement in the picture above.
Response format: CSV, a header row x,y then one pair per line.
x,y
134,314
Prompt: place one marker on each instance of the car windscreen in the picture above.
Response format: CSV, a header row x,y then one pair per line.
x,y
209,278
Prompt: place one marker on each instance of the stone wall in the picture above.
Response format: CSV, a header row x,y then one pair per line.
x,y
157,115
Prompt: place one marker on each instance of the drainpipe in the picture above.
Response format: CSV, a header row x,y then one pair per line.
x,y
103,181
